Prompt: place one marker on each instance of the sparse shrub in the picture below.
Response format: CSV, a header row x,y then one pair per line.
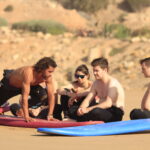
x,y
137,5
116,30
144,32
9,8
85,5
45,26
3,22
115,51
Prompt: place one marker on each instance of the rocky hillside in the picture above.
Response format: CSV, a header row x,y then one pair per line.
x,y
71,49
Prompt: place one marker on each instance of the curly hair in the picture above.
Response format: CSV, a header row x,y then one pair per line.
x,y
44,63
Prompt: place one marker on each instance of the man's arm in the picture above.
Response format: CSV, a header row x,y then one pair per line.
x,y
145,105
51,99
107,103
87,100
25,94
27,76
83,107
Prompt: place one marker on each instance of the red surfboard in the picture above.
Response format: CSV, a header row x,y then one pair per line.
x,y
40,123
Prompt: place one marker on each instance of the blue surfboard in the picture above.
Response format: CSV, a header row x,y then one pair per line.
x,y
113,128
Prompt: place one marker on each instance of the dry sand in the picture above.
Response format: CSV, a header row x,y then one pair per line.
x,y
13,50
24,138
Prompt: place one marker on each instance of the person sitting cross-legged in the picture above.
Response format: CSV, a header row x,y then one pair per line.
x,y
73,94
105,101
144,111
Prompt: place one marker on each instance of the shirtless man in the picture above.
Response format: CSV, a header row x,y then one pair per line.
x,y
105,101
144,112
20,81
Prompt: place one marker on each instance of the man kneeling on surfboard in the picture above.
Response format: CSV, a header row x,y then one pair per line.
x,y
105,100
21,80
38,103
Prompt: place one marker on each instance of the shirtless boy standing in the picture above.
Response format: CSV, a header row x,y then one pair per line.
x,y
144,112
20,81
105,101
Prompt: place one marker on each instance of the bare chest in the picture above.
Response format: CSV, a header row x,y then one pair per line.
x,y
102,91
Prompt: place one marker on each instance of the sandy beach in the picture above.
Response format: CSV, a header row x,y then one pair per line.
x,y
25,138
86,42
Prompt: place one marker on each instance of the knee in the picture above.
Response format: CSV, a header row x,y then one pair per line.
x,y
99,114
96,114
95,111
72,112
135,114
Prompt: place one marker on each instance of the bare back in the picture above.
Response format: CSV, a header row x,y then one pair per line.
x,y
18,76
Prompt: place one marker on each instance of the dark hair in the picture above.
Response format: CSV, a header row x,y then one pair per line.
x,y
146,61
102,62
83,68
44,63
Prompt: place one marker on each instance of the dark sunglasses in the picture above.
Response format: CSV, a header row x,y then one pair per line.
x,y
79,76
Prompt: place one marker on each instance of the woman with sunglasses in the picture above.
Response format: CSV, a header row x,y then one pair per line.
x,y
73,94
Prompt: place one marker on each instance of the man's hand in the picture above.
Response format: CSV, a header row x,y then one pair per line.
x,y
50,118
29,119
82,111
71,101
